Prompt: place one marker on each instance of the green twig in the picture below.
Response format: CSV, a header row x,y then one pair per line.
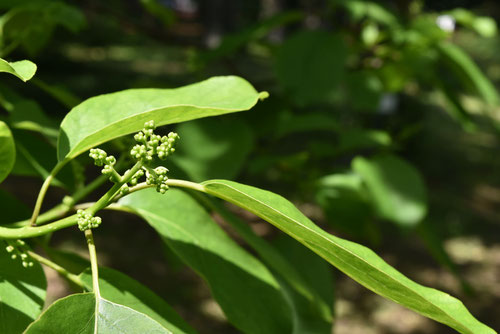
x,y
93,262
95,273
43,190
62,271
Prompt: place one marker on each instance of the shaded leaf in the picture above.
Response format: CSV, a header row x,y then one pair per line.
x,y
105,117
32,23
319,277
36,157
28,115
121,289
318,303
7,151
357,261
396,187
246,291
468,72
342,198
22,293
77,314
13,210
213,148
310,65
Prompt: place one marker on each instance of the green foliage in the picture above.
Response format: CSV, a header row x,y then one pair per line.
x,y
348,96
22,290
396,188
23,69
84,128
92,314
357,261
121,289
244,288
317,60
7,151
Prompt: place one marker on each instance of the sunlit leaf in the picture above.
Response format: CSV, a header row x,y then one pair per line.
x,y
79,314
105,117
357,261
121,289
23,69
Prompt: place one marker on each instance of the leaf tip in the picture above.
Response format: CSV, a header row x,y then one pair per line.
x,y
263,95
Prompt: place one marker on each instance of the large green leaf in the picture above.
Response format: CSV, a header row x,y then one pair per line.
x,y
357,261
246,291
22,293
79,314
312,308
23,69
7,151
213,148
121,289
105,117
396,187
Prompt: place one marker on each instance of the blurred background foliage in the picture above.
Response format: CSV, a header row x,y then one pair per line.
x,y
382,124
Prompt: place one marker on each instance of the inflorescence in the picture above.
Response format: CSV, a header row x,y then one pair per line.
x,y
19,249
148,146
87,221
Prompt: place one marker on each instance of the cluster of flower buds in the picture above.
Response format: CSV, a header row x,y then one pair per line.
x,y
101,158
86,220
150,144
18,249
158,177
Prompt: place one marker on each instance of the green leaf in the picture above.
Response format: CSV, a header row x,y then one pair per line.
x,y
212,148
121,289
468,72
7,151
105,117
28,115
396,188
79,314
32,23
22,293
295,278
59,93
342,198
36,157
319,277
310,65
23,69
16,211
357,261
244,288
